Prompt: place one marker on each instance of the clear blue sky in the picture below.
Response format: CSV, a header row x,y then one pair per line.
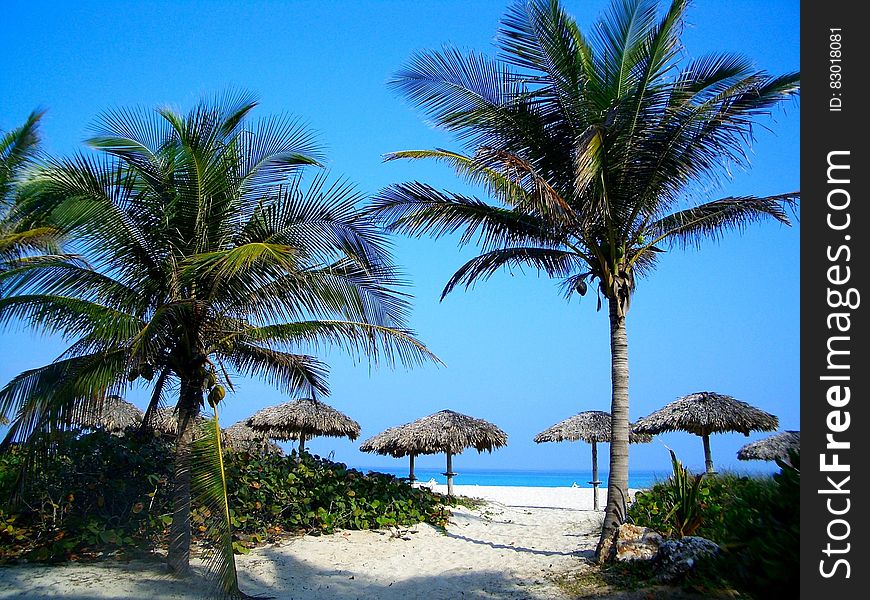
x,y
724,319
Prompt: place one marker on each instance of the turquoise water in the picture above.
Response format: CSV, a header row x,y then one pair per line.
x,y
636,479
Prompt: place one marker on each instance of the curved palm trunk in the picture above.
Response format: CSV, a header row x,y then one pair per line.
x,y
617,481
179,532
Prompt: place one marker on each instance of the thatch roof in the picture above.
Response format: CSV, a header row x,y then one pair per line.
x,y
241,438
306,417
703,413
589,426
771,447
165,420
388,442
113,413
444,431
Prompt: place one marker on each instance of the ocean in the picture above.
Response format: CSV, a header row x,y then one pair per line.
x,y
636,479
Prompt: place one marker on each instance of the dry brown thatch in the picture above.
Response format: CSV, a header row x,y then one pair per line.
x,y
703,413
241,438
113,413
591,426
303,419
165,420
771,447
387,442
445,431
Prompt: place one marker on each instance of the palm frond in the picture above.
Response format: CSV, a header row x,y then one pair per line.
x,y
294,374
555,263
712,220
208,486
374,342
418,209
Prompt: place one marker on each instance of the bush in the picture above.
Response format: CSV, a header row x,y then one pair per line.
x,y
756,520
99,493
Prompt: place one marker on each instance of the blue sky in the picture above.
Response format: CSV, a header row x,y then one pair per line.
x,y
725,318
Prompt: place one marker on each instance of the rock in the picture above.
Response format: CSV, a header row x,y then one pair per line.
x,y
631,542
676,558
636,543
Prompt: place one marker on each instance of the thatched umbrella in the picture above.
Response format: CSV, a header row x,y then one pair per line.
x,y
302,420
445,431
771,447
164,419
703,413
389,442
592,426
112,414
241,438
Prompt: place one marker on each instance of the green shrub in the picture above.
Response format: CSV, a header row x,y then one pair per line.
x,y
756,520
100,493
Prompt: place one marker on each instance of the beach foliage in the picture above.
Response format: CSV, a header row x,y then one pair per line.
x,y
100,494
205,253
21,237
599,149
756,521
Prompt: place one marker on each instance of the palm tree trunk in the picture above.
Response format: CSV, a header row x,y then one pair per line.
x,y
617,481
179,532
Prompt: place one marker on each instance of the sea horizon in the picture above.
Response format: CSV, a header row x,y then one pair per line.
x,y
637,478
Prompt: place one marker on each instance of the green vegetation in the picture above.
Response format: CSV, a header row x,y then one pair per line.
x,y
99,494
202,252
756,520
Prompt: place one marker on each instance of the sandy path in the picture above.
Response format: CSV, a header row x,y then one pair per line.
x,y
505,549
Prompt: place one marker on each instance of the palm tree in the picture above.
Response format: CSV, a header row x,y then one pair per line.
x,y
204,255
592,146
18,149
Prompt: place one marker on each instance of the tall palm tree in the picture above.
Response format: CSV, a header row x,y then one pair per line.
x,y
591,146
203,255
18,238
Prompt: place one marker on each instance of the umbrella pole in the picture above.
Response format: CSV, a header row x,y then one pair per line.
x,y
411,477
708,457
449,473
301,443
595,483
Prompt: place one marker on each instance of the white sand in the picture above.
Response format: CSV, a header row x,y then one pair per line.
x,y
508,548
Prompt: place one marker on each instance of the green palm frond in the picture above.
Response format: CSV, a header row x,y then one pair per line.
x,y
711,220
554,263
209,487
418,209
18,147
360,339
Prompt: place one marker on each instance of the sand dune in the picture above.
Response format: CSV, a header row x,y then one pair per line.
x,y
508,548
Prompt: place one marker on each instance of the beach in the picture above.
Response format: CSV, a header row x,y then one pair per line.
x,y
512,546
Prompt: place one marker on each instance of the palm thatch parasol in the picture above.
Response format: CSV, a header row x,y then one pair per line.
x,y
113,413
445,431
164,419
241,438
303,419
389,442
772,447
703,413
591,426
